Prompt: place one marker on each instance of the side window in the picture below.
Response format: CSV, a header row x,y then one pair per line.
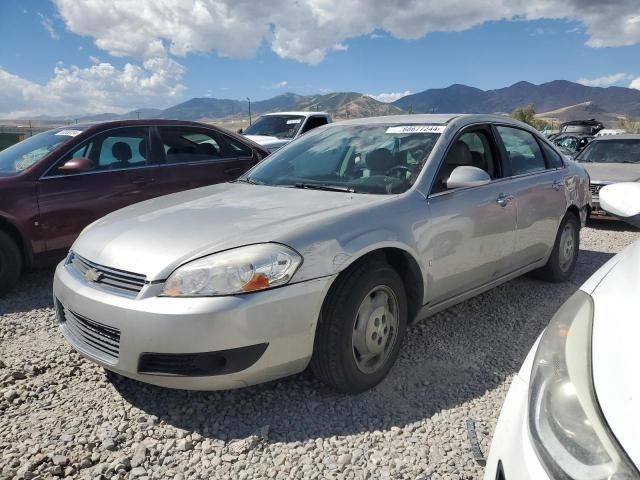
x,y
122,151
553,157
113,150
239,148
469,149
183,145
523,150
314,122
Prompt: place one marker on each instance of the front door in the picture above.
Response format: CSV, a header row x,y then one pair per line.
x,y
69,202
471,236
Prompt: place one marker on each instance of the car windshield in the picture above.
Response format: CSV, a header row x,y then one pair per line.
x,y
612,151
22,155
378,159
280,126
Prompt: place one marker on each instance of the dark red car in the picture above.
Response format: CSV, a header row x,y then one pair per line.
x,y
55,183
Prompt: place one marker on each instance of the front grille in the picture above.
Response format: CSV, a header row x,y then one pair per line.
x,y
96,339
595,189
109,278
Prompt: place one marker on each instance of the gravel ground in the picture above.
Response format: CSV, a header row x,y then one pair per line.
x,y
63,416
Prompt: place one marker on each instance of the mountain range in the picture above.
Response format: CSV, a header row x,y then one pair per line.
x,y
609,102
545,97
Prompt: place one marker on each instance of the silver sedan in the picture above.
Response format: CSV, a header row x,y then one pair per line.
x,y
322,253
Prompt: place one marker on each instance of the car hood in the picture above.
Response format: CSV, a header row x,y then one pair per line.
x,y
156,236
612,172
616,356
267,141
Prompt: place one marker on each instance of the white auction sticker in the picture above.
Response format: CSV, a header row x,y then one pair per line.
x,y
294,120
417,129
69,133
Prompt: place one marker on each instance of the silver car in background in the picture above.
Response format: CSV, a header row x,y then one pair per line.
x,y
611,159
322,253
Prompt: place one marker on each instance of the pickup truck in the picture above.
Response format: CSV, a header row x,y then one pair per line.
x,y
274,130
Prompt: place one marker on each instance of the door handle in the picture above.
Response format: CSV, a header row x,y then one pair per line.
x,y
557,184
503,200
233,171
138,180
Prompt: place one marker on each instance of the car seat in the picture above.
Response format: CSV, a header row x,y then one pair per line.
x,y
379,161
122,153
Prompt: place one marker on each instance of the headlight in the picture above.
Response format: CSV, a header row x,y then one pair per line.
x,y
240,270
565,421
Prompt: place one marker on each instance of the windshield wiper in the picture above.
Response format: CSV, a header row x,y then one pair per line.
x,y
328,188
248,180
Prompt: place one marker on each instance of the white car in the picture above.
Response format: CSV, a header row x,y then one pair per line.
x,y
275,130
573,410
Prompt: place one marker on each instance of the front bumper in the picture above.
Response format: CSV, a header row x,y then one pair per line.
x,y
281,321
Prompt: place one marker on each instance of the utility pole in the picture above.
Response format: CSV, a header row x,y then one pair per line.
x,y
249,100
138,114
30,129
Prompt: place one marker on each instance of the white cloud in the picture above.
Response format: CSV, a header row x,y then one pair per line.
x,y
306,30
94,60
99,88
281,84
635,83
605,81
389,97
47,24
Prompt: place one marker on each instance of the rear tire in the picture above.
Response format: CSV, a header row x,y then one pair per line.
x,y
564,256
360,329
10,263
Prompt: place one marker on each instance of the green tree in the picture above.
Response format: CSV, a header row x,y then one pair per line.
x,y
527,114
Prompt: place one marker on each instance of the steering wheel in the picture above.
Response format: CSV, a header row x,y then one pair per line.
x,y
397,168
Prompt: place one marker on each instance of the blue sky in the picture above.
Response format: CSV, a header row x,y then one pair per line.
x,y
77,57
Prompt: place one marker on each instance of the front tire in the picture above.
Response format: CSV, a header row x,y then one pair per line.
x,y
564,256
361,328
10,263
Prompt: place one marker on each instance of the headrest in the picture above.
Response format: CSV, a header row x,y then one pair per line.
x,y
142,148
380,159
459,154
121,151
208,149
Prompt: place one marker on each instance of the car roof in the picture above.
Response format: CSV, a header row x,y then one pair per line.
x,y
442,119
622,136
132,123
303,114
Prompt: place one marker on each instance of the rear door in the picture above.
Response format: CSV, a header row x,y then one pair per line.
x,y
540,190
195,157
471,236
69,202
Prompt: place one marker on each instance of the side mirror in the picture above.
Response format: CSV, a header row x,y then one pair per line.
x,y
78,165
240,131
622,200
467,176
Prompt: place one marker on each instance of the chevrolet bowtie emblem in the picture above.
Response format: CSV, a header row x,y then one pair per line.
x,y
93,275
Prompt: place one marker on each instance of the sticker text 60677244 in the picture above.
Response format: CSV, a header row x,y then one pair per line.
x,y
416,129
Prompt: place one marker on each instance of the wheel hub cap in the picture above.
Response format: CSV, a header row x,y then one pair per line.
x,y
375,329
567,248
